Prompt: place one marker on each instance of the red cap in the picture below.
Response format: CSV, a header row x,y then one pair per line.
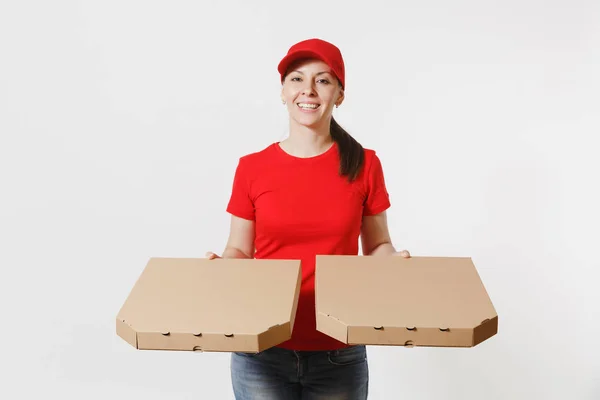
x,y
315,48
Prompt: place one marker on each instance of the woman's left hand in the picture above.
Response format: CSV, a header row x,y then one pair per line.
x,y
403,253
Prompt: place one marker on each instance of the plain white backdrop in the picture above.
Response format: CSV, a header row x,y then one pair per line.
x,y
122,122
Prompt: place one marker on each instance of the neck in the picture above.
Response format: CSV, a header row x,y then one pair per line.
x,y
305,141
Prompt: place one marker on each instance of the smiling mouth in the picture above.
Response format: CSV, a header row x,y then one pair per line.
x,y
305,106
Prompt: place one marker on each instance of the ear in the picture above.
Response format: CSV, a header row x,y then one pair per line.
x,y
340,98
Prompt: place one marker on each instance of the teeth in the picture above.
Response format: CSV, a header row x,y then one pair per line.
x,y
312,106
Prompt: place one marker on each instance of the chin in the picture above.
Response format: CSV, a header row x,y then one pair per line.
x,y
309,124
309,121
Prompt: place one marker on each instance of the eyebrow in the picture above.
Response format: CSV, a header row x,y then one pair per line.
x,y
318,73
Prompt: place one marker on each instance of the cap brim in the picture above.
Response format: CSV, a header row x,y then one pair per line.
x,y
285,63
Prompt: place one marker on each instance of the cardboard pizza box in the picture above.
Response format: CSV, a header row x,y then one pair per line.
x,y
419,301
245,305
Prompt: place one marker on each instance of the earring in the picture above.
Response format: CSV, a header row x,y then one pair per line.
x,y
337,105
283,102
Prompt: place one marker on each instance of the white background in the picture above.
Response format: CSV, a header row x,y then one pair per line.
x,y
122,121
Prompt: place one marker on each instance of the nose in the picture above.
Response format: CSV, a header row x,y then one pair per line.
x,y
308,89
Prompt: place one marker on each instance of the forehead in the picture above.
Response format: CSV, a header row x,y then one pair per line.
x,y
309,65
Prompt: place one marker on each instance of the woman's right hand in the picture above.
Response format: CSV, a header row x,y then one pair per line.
x,y
211,256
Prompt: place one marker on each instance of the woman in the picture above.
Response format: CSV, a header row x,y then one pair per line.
x,y
313,193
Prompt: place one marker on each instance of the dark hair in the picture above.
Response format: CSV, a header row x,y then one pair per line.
x,y
352,154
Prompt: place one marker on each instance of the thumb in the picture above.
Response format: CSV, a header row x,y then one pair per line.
x,y
405,254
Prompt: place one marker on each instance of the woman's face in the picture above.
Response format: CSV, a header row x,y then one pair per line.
x,y
310,91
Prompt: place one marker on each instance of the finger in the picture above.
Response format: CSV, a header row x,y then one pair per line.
x,y
405,254
210,255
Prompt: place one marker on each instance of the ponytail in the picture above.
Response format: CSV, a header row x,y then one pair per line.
x,y
352,155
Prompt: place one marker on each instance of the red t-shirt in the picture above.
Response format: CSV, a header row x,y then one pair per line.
x,y
303,207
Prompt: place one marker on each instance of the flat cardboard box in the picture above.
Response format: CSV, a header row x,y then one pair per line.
x,y
419,301
244,305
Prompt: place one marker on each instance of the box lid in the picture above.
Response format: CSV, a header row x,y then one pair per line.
x,y
419,301
243,305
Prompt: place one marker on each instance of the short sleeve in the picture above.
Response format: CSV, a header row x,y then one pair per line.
x,y
377,199
240,202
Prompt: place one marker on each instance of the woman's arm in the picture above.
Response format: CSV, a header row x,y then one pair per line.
x,y
240,243
375,237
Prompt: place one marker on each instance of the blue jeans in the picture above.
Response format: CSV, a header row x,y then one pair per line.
x,y
281,374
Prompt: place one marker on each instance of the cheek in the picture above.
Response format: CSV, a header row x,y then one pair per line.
x,y
289,95
327,95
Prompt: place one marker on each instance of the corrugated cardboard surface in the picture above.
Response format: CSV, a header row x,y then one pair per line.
x,y
419,301
211,305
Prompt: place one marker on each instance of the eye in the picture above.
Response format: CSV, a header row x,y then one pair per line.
x,y
295,79
325,81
